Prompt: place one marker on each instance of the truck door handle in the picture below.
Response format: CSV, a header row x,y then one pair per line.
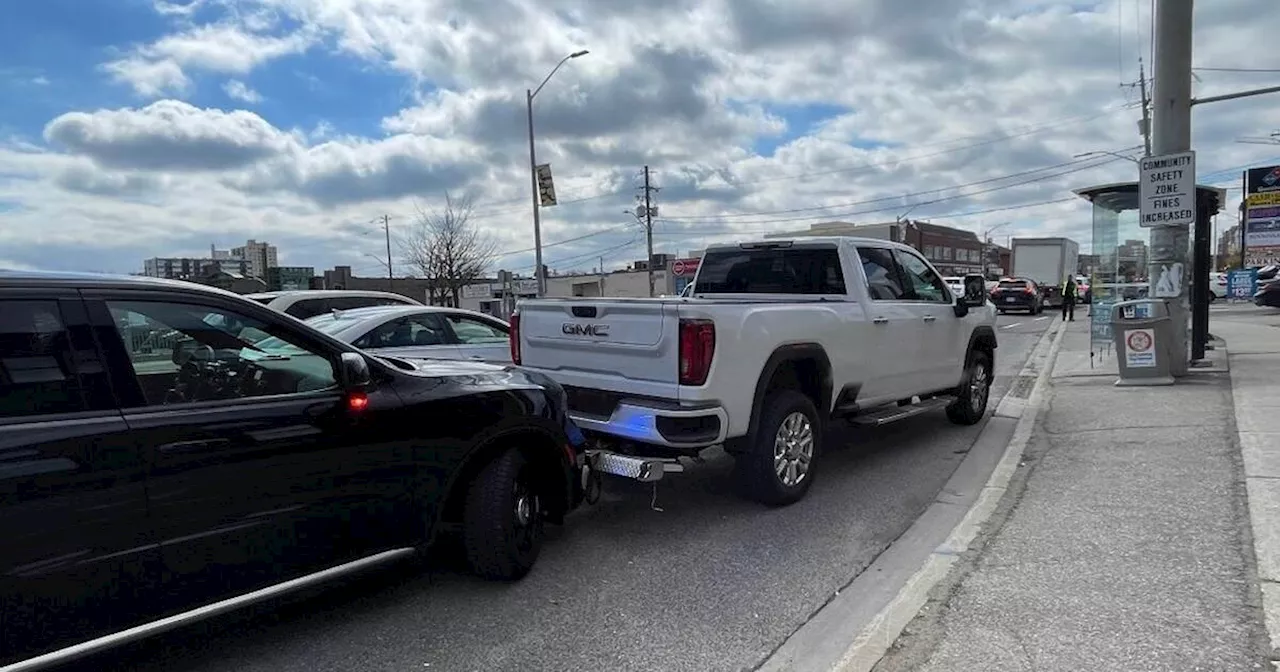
x,y
880,320
929,318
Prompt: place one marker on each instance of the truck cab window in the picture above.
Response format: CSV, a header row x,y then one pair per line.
x,y
884,280
923,284
771,270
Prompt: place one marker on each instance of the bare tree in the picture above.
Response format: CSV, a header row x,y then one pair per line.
x,y
447,249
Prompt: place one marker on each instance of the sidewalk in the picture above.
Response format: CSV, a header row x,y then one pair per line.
x,y
1123,543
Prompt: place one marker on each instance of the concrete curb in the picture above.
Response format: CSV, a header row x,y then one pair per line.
x,y
853,631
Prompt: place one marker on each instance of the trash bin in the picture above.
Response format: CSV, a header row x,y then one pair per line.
x,y
1144,342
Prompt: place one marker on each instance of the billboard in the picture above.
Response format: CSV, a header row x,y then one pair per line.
x,y
1262,215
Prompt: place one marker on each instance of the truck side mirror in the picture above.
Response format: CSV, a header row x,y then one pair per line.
x,y
975,291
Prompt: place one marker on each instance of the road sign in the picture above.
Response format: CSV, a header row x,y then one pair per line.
x,y
1139,348
1167,190
546,188
681,267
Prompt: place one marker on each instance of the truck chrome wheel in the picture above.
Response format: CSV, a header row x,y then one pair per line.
x,y
979,387
793,449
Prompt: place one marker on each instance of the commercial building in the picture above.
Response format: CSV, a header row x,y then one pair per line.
x,y
952,251
189,268
288,278
260,257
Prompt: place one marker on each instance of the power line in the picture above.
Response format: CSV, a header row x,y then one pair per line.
x,y
1092,164
1237,69
882,199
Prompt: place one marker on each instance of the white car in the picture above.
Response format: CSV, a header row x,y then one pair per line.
x,y
956,284
305,303
1217,286
430,332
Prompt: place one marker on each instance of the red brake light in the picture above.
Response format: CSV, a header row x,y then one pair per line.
x,y
1028,291
357,401
513,338
697,348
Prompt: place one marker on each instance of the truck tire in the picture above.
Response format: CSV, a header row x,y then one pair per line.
x,y
778,468
975,390
502,522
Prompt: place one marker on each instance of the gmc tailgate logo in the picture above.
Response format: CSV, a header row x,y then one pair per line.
x,y
574,329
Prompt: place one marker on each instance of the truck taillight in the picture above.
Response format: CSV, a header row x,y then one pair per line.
x,y
513,337
697,348
1028,291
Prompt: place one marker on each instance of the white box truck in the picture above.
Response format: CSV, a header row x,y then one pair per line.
x,y
1047,261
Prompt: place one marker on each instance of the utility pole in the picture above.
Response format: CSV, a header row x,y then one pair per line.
x,y
648,210
1146,108
386,228
1171,134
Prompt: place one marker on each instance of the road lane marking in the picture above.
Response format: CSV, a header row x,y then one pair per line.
x,y
1042,318
1010,326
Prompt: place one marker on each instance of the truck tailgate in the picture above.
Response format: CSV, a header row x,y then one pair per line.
x,y
620,345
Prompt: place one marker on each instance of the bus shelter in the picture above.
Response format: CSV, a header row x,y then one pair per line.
x,y
1124,267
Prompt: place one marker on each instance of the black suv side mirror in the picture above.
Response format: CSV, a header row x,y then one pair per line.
x,y
354,372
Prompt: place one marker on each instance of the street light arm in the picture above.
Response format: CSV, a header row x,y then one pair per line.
x,y
553,71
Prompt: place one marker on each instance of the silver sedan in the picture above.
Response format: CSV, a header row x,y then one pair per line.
x,y
419,331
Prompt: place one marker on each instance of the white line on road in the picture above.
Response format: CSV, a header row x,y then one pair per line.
x,y
1042,318
1010,326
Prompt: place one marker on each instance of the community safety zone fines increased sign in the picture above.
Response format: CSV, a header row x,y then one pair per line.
x,y
1167,190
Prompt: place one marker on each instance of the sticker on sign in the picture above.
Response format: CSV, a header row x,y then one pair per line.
x,y
1167,190
1139,351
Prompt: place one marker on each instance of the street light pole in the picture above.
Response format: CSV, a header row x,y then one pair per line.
x,y
533,176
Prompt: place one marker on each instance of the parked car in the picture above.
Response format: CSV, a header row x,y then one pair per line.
x,y
249,456
956,284
1083,290
1268,295
419,331
777,339
304,303
1018,294
1217,285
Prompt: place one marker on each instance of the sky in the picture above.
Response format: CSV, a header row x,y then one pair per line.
x,y
139,128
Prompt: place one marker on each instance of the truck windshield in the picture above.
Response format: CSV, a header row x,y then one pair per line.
x,y
771,270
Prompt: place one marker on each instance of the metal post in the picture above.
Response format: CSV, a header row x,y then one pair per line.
x,y
537,204
386,228
1171,133
1206,206
1243,217
648,229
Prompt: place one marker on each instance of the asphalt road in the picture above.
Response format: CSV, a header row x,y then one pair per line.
x,y
703,581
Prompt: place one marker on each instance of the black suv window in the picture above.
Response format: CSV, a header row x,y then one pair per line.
x,y
37,375
771,270
188,353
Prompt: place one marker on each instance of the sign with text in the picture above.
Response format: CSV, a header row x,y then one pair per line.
x,y
685,267
1139,348
1167,190
546,188
1241,284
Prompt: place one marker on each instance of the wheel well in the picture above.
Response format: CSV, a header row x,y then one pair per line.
x,y
537,447
984,341
801,374
803,367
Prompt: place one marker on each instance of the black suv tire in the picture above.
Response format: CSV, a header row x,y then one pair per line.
x,y
502,526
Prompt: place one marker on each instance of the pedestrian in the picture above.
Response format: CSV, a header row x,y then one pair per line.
x,y
1069,299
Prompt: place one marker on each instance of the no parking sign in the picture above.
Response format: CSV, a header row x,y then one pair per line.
x,y
1139,348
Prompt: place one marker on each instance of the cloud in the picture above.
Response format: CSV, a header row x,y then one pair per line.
x,y
161,67
169,135
240,91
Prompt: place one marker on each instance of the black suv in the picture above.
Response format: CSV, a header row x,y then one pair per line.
x,y
165,445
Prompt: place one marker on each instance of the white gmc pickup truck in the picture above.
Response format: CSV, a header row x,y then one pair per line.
x,y
775,339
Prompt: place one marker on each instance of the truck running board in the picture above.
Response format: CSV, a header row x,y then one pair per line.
x,y
886,415
645,470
